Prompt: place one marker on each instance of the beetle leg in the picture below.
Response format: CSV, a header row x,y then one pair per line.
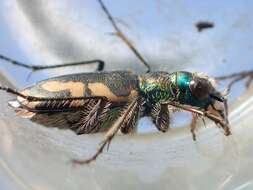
x,y
96,114
161,117
42,67
248,82
194,125
218,120
131,119
122,36
111,133
236,77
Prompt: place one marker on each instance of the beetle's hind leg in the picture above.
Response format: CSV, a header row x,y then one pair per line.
x,y
121,121
100,63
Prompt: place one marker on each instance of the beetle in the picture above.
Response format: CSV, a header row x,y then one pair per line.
x,y
112,101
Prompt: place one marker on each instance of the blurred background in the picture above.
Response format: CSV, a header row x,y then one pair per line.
x,y
164,31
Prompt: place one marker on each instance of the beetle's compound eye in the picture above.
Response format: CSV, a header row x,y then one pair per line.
x,y
199,88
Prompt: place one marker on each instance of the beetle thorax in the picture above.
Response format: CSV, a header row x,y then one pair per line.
x,y
156,87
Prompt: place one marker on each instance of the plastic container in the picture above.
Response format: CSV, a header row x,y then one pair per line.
x,y
35,157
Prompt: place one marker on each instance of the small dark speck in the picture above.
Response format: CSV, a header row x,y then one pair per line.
x,y
202,25
224,61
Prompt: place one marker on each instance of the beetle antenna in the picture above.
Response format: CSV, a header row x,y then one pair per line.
x,y
123,37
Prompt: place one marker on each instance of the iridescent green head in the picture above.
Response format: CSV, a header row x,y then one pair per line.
x,y
183,87
195,90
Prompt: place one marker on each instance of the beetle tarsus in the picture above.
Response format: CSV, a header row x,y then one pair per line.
x,y
92,158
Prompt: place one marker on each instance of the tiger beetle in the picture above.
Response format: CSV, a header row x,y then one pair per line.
x,y
92,102
112,101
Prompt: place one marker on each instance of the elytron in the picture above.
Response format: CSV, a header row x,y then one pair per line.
x,y
112,101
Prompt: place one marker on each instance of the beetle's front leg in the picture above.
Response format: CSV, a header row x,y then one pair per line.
x,y
217,119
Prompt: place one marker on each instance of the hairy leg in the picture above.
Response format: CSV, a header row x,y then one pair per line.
x,y
121,121
161,117
218,120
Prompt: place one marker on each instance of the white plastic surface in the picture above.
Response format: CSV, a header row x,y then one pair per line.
x,y
35,157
